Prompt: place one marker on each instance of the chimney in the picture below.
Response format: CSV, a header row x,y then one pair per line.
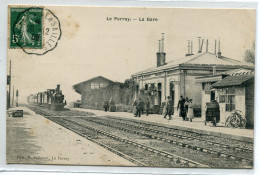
x,y
207,46
199,51
187,54
160,54
162,42
189,48
215,51
159,50
219,53
201,45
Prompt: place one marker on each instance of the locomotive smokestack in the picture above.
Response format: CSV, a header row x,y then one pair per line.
x,y
58,88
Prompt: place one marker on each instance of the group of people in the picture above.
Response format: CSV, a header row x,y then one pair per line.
x,y
186,108
139,106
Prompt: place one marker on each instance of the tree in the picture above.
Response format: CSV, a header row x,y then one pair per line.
x,y
250,54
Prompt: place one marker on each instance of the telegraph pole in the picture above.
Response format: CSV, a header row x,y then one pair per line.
x,y
13,97
9,94
17,94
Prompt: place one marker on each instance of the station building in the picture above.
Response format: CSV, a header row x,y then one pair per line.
x,y
178,77
85,88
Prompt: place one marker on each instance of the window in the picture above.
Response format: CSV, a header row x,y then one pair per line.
x,y
101,85
94,85
230,104
228,97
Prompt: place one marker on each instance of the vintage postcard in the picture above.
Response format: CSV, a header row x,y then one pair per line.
x,y
128,86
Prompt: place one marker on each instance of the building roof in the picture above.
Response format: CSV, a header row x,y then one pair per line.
x,y
205,58
98,77
219,76
235,79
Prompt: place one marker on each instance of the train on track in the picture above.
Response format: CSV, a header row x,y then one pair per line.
x,y
52,99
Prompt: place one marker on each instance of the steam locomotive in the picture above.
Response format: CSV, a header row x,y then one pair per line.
x,y
53,99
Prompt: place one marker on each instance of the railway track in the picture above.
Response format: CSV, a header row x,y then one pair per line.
x,y
174,139
173,142
186,134
143,157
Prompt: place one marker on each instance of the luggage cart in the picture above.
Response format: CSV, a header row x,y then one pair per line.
x,y
212,113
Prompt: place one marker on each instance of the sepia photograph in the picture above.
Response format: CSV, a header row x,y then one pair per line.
x,y
131,86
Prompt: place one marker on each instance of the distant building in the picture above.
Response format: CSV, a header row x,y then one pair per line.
x,y
85,88
178,77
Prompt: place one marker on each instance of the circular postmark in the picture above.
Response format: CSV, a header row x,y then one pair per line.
x,y
36,30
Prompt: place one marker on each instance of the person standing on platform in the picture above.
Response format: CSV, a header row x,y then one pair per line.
x,y
112,106
181,107
190,114
186,104
147,105
106,105
139,108
169,108
135,108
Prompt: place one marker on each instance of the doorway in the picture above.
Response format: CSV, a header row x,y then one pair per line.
x,y
159,93
212,95
172,93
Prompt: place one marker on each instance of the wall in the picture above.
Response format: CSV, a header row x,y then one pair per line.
x,y
205,99
239,103
121,93
250,93
193,90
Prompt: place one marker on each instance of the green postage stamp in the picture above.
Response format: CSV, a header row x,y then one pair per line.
x,y
26,27
35,30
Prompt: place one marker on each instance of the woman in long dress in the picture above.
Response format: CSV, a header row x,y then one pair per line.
x,y
190,114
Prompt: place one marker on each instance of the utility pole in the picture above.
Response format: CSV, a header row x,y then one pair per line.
x,y
17,94
13,97
9,94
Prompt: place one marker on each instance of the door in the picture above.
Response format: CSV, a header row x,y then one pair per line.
x,y
172,93
212,95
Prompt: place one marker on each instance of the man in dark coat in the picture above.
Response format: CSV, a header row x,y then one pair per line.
x,y
147,105
139,107
181,107
169,108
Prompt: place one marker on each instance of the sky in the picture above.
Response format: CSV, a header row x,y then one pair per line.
x,y
91,45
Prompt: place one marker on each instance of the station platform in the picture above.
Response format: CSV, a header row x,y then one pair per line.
x,y
197,125
33,139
